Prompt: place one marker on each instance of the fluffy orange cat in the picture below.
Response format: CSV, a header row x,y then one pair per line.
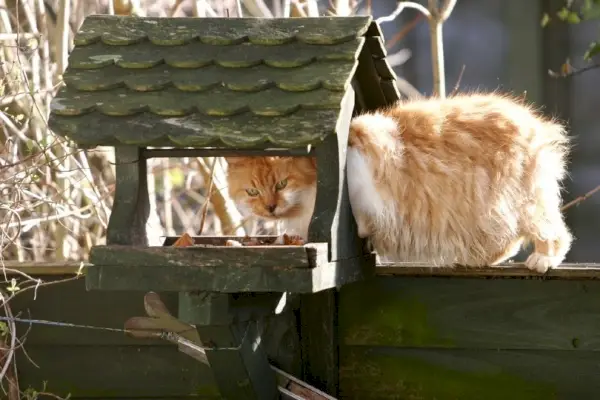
x,y
464,180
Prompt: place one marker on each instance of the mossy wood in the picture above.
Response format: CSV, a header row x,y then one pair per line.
x,y
215,267
400,337
423,337
190,82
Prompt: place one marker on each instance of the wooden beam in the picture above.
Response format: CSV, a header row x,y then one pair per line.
x,y
226,152
43,268
515,270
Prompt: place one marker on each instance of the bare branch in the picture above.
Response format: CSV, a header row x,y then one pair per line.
x,y
258,8
64,10
208,195
580,198
401,7
447,8
571,71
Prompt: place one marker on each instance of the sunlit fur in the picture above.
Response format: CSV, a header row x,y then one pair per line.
x,y
294,204
463,180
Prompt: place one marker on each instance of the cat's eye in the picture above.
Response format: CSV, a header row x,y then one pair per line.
x,y
281,185
252,192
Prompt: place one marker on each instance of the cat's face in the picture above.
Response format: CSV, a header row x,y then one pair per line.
x,y
273,187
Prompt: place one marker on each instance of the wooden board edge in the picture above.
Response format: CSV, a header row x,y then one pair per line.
x,y
515,270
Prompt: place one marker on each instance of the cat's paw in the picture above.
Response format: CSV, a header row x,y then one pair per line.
x,y
541,262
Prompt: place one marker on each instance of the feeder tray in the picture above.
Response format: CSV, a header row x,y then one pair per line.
x,y
210,264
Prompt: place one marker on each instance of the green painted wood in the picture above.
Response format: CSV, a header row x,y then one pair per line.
x,y
115,371
390,90
70,302
117,30
206,308
233,344
175,103
384,70
178,67
467,374
472,313
228,279
212,257
332,219
131,206
369,81
319,340
196,54
376,47
201,131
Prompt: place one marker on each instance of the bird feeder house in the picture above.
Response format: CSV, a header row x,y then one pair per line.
x,y
176,87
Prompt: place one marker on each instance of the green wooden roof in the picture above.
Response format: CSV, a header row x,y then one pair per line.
x,y
238,82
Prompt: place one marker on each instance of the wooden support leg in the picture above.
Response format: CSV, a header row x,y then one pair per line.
x,y
233,346
127,223
318,330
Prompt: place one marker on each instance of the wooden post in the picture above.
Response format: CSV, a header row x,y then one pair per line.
x,y
333,222
131,207
233,346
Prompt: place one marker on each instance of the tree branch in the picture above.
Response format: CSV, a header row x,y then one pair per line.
x,y
401,7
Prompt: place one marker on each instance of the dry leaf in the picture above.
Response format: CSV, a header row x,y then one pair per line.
x,y
184,240
292,240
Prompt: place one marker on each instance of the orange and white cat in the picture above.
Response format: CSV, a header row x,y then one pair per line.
x,y
464,180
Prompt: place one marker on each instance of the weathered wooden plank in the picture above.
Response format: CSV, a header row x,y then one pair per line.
x,y
279,257
115,371
229,279
472,313
220,240
227,152
576,271
43,269
467,374
366,75
332,219
376,47
70,302
319,340
390,90
131,206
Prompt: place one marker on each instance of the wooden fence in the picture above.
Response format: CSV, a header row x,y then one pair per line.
x,y
409,333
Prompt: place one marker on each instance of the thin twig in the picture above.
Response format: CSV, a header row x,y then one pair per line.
x,y
401,7
572,71
580,198
457,85
208,196
404,31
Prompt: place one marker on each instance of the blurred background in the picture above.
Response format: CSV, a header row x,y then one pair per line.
x,y
55,199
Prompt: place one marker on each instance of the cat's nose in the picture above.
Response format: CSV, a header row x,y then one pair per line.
x,y
271,207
